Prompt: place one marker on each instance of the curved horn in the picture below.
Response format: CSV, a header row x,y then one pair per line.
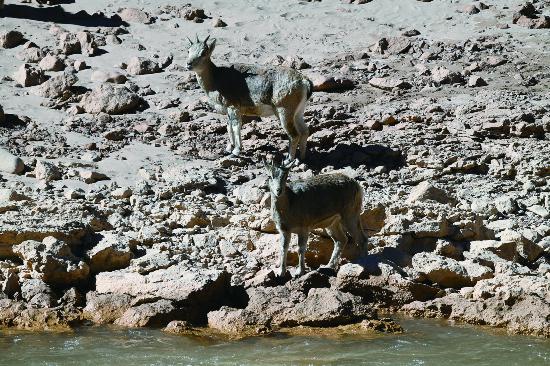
x,y
197,37
206,39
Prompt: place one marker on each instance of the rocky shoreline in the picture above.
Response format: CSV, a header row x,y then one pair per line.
x,y
117,205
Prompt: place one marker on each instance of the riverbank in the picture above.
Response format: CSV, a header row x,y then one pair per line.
x,y
118,206
426,342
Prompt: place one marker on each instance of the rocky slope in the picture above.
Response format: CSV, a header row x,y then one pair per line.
x,y
117,204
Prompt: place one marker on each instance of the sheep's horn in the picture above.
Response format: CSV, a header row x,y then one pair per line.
x,y
197,36
206,39
190,41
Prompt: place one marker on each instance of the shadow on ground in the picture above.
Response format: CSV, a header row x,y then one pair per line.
x,y
58,15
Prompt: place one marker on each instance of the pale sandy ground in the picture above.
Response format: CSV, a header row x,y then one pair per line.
x,y
256,31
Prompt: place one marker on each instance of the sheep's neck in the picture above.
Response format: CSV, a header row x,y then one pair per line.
x,y
205,76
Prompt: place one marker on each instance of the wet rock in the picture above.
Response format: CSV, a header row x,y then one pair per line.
x,y
158,313
389,83
10,39
110,99
142,66
519,303
53,261
105,308
46,171
384,325
177,327
199,290
10,163
56,86
28,75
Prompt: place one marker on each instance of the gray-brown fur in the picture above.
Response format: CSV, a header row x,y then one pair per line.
x,y
248,90
330,201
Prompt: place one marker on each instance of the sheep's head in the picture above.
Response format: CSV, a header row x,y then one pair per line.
x,y
199,53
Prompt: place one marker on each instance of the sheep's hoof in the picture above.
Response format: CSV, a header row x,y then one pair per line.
x,y
236,153
280,272
229,148
327,270
300,272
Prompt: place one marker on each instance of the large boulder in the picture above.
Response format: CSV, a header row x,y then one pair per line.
x,y
195,289
110,99
46,171
448,272
520,303
28,75
10,39
10,163
52,261
105,308
142,66
113,251
55,87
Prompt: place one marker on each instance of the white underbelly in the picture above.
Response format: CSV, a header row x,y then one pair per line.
x,y
265,110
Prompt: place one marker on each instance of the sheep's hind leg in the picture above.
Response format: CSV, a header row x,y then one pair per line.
x,y
302,246
338,235
231,143
287,121
235,119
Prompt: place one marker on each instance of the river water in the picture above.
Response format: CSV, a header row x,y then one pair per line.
x,y
425,342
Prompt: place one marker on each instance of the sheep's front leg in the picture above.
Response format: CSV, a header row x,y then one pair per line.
x,y
285,242
302,246
235,119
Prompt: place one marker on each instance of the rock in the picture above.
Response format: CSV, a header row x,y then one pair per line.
x,y
46,171
331,84
53,261
10,163
199,290
504,250
158,313
108,77
28,75
142,66
389,83
447,272
133,15
105,308
385,325
37,293
116,134
92,176
110,99
113,251
442,75
397,45
80,65
526,249
10,39
51,63
518,303
425,191
475,81
30,53
470,9
218,23
539,210
56,86
69,44
177,327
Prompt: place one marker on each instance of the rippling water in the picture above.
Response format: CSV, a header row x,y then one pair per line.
x,y
425,342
